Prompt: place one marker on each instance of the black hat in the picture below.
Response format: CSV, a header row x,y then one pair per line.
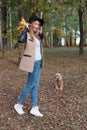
x,y
33,17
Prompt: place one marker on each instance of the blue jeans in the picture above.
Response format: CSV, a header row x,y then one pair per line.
x,y
32,85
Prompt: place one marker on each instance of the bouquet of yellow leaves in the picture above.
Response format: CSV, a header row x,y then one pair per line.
x,y
21,26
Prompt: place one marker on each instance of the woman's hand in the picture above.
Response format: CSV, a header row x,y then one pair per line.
x,y
27,25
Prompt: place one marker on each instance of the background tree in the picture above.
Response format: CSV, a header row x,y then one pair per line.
x,y
4,7
63,18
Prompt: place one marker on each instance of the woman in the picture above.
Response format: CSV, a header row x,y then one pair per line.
x,y
31,62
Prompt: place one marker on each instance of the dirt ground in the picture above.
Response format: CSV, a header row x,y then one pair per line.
x,y
63,110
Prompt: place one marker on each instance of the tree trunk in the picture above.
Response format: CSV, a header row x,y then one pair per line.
x,y
19,11
51,43
20,46
67,43
71,40
75,39
0,33
9,21
80,12
60,43
4,30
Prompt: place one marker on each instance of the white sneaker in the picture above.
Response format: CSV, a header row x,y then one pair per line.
x,y
19,108
35,111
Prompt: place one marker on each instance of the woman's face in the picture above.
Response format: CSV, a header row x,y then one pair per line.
x,y
35,25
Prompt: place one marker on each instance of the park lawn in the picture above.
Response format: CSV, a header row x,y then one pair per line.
x,y
63,110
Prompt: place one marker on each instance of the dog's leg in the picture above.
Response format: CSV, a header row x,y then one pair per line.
x,y
61,85
56,86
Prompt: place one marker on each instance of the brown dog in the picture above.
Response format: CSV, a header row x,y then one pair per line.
x,y
58,81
